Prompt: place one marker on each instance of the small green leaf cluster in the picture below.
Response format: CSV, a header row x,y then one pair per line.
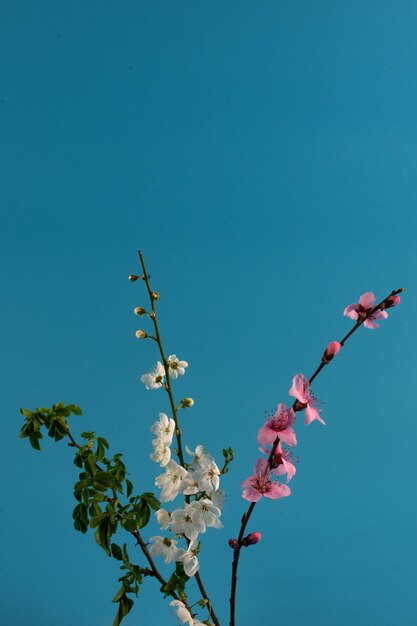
x,y
228,455
131,582
53,419
176,582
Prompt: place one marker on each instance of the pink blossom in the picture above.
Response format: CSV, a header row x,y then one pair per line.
x,y
301,390
280,425
259,484
281,463
331,351
363,308
391,301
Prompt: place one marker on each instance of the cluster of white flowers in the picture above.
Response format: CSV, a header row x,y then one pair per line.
x,y
199,478
202,477
164,431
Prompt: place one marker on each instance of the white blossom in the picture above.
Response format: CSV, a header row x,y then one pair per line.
x,y
175,366
167,548
164,429
182,612
205,514
164,518
198,455
155,378
207,475
161,453
183,523
217,497
175,480
189,559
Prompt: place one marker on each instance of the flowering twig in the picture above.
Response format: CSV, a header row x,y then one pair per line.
x,y
361,317
153,296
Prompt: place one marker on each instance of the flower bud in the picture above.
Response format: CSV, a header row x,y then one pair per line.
x,y
155,295
187,402
141,334
390,302
251,539
233,543
139,310
331,351
133,278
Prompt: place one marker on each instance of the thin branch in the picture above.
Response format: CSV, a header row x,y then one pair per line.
x,y
297,406
168,388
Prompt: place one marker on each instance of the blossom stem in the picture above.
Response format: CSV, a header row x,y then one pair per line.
x,y
297,406
168,389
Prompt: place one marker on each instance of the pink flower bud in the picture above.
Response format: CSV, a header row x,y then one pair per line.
x,y
391,301
251,539
233,543
331,351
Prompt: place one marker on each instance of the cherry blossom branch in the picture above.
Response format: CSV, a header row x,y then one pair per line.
x,y
153,296
297,406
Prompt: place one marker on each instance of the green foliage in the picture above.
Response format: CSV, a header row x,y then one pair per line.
x,y
53,419
176,582
101,478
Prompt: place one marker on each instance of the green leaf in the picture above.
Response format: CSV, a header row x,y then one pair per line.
x,y
96,521
116,552
104,442
129,487
125,605
103,481
26,413
90,464
151,500
130,525
34,440
74,409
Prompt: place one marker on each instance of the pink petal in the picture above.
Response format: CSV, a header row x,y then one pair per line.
x,y
367,300
288,436
370,324
277,490
299,388
261,467
289,468
312,414
251,494
266,435
351,311
379,315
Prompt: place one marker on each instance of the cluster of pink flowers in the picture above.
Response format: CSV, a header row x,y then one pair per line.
x,y
278,431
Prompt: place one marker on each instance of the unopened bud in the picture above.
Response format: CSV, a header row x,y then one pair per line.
x,y
233,543
141,334
390,302
133,278
139,310
155,295
187,402
331,351
251,539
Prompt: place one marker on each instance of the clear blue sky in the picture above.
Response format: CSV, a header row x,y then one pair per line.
x,y
263,156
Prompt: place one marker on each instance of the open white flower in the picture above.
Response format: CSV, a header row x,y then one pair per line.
x,y
217,497
204,514
198,455
155,378
207,475
175,480
182,612
167,548
161,453
189,559
183,523
175,366
164,429
164,518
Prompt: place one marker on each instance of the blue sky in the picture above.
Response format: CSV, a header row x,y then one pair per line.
x,y
263,156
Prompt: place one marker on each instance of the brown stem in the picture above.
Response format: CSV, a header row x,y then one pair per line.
x,y
297,406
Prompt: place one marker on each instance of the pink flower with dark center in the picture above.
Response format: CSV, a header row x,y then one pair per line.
x,y
280,425
281,462
331,351
362,308
301,390
259,484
